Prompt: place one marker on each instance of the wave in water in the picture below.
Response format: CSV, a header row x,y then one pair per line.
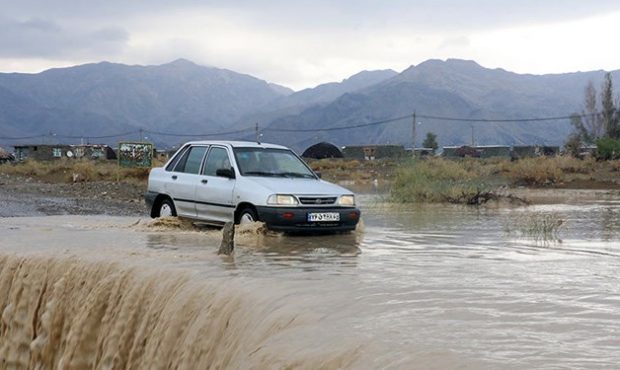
x,y
69,313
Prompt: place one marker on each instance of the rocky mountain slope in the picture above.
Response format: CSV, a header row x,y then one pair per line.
x,y
452,88
184,98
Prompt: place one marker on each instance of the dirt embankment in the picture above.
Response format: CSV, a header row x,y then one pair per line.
x,y
26,196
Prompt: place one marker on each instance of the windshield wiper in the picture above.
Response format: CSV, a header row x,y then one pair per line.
x,y
261,173
296,174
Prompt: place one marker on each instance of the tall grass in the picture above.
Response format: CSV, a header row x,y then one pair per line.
x,y
534,171
544,171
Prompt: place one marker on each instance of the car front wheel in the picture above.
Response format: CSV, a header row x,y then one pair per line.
x,y
166,208
247,216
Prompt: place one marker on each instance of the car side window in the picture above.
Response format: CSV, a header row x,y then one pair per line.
x,y
177,158
217,159
191,160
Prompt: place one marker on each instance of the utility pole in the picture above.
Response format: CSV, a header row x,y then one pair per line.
x,y
141,136
473,143
257,134
413,124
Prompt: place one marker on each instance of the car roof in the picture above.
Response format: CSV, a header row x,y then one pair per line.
x,y
238,144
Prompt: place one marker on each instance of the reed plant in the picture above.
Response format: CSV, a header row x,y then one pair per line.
x,y
544,228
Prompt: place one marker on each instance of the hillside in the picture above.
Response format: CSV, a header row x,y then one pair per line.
x,y
107,98
182,97
453,88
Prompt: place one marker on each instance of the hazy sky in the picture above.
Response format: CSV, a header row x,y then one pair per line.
x,y
303,43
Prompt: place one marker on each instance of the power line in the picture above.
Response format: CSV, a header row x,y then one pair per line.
x,y
426,116
354,126
23,137
389,120
198,135
538,119
125,134
97,137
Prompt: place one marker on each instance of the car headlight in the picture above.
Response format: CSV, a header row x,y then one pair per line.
x,y
282,200
347,200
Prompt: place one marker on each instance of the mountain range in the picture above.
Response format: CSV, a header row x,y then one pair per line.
x,y
93,101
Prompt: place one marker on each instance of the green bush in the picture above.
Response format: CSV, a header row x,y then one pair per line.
x,y
607,149
438,180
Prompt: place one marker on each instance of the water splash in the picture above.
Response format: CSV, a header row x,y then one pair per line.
x,y
77,314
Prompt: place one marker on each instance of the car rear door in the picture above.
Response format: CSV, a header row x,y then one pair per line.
x,y
214,194
183,179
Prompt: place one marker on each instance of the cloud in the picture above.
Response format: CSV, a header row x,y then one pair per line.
x,y
457,42
303,42
37,38
430,15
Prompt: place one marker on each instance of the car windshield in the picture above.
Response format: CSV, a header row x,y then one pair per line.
x,y
270,162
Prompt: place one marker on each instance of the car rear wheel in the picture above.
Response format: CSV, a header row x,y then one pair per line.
x,y
247,216
166,208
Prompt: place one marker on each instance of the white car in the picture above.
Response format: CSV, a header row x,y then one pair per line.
x,y
221,181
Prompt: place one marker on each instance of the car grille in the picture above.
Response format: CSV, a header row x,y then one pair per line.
x,y
317,200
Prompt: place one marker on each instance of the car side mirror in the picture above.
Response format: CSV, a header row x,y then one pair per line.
x,y
318,174
225,172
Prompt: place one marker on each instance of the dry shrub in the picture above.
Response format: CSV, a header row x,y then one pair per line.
x,y
570,164
495,166
26,168
84,171
535,171
72,170
135,174
614,165
334,164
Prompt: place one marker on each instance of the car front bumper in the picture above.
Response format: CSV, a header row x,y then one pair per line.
x,y
295,219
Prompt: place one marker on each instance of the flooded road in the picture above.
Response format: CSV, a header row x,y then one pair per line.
x,y
434,286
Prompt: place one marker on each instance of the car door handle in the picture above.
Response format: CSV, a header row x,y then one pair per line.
x,y
204,181
174,177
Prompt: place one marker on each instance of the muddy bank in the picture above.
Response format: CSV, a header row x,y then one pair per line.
x,y
24,196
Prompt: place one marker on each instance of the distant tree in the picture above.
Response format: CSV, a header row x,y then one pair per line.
x,y
595,123
431,141
589,124
573,145
591,117
580,129
609,113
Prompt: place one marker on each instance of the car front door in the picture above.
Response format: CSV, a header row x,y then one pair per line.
x,y
183,178
214,194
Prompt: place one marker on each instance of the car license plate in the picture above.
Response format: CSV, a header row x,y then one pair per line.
x,y
324,216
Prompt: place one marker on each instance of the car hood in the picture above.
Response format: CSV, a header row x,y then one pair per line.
x,y
299,186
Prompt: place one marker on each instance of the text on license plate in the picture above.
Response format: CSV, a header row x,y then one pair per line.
x,y
324,216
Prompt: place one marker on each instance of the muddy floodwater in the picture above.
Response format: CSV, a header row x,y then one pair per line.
x,y
434,286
